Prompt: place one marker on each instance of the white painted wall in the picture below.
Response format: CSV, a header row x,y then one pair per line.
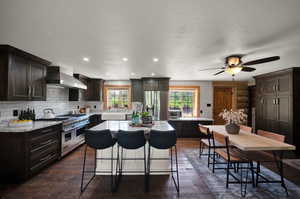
x,y
206,94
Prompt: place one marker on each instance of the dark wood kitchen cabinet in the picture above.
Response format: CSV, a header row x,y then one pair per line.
x,y
137,92
156,84
94,89
188,128
277,104
23,76
24,154
76,94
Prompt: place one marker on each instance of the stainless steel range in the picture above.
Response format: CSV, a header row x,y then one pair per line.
x,y
72,134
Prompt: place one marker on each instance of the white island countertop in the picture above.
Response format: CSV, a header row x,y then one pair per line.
x,y
115,126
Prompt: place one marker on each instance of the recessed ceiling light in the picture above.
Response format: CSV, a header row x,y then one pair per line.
x,y
155,59
132,73
86,59
125,59
152,74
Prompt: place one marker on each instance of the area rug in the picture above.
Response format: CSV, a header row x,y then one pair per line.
x,y
217,182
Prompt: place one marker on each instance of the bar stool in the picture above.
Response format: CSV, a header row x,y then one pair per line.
x,y
130,140
98,140
163,140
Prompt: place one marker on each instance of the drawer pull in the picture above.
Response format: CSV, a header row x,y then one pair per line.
x,y
46,131
46,142
46,158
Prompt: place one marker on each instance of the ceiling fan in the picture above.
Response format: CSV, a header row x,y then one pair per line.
x,y
234,64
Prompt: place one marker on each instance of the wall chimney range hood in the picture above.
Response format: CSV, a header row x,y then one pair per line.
x,y
56,77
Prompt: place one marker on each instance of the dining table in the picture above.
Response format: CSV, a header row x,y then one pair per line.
x,y
249,143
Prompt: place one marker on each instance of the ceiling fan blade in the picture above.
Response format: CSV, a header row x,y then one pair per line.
x,y
211,68
261,61
219,72
248,69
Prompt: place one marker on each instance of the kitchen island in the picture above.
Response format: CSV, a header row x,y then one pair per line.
x,y
133,165
187,127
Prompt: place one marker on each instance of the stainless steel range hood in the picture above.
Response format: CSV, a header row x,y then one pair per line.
x,y
56,77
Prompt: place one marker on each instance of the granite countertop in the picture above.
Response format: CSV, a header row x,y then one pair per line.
x,y
192,119
35,126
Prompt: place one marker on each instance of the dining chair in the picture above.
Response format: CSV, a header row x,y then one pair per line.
x,y
269,157
232,156
246,129
98,140
164,140
205,138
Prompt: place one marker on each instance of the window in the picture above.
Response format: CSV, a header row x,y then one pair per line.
x,y
185,99
117,97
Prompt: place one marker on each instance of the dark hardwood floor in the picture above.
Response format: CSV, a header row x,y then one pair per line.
x,y
62,180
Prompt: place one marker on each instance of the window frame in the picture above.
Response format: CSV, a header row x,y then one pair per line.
x,y
196,111
106,89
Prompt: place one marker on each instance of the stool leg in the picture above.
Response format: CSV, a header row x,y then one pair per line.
x,y
145,171
82,188
200,148
208,157
112,170
148,167
177,172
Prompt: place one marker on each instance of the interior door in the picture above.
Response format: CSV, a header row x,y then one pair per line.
x,y
222,100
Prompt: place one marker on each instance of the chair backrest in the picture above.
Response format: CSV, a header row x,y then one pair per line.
x,y
246,129
99,139
131,139
162,139
273,136
220,138
203,129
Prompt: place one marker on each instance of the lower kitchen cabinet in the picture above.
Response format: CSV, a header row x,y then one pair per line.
x,y
24,154
188,128
95,120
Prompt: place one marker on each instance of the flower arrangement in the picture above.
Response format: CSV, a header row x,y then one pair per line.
x,y
233,117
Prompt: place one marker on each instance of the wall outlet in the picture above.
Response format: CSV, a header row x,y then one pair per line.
x,y
95,106
15,113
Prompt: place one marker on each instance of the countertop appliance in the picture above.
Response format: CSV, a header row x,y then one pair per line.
x,y
48,113
72,133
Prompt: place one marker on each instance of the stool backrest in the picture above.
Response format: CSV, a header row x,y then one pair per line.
x,y
220,138
273,136
99,139
162,139
246,129
131,139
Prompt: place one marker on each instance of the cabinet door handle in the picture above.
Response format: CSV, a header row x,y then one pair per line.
x,y
274,87
262,101
46,158
277,100
28,90
46,130
274,101
32,91
46,142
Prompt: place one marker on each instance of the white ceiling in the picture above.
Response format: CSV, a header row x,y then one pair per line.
x,y
186,35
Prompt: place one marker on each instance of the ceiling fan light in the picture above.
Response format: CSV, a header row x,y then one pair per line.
x,y
233,70
233,61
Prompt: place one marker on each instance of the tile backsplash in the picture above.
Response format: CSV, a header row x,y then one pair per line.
x,y
57,99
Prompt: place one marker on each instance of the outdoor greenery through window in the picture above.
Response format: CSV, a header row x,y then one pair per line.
x,y
117,98
185,100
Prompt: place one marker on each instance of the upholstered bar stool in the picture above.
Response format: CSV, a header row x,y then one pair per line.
x,y
130,140
163,140
98,140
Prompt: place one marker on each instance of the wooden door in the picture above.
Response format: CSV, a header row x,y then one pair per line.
x,y
38,81
222,100
19,79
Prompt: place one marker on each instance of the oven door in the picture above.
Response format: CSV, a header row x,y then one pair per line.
x,y
67,141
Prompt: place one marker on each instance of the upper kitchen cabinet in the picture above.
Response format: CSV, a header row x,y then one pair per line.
x,y
156,84
76,94
137,94
23,75
94,89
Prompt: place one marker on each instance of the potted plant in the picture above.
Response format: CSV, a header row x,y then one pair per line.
x,y
146,118
233,119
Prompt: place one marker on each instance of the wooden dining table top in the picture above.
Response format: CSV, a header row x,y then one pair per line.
x,y
251,142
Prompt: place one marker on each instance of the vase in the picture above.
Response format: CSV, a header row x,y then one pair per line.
x,y
232,128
